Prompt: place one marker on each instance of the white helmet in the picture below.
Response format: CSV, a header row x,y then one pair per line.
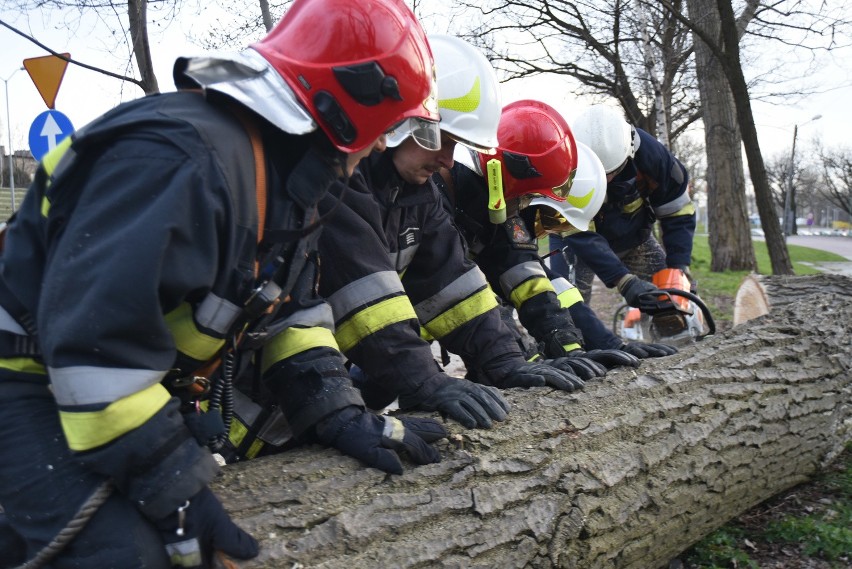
x,y
587,191
606,132
468,95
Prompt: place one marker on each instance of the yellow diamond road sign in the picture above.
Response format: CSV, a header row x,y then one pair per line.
x,y
47,72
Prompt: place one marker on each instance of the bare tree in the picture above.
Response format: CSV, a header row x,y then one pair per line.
x,y
837,177
127,23
605,46
804,184
728,225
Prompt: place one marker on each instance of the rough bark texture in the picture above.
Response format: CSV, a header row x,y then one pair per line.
x,y
730,240
627,473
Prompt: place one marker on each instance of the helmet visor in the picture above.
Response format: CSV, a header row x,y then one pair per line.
x,y
563,190
550,221
489,150
426,133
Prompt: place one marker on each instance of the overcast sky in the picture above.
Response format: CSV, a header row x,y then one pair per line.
x,y
85,94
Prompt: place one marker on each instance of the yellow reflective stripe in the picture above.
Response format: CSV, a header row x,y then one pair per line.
x,y
293,341
188,338
90,429
254,448
570,297
424,333
461,313
633,206
467,103
688,209
23,365
534,357
571,347
49,162
372,319
528,289
238,433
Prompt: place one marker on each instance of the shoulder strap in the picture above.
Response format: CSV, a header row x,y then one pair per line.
x,y
259,174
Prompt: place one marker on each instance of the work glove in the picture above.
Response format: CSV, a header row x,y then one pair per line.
x,y
470,404
632,288
642,350
612,358
199,529
538,373
376,440
557,344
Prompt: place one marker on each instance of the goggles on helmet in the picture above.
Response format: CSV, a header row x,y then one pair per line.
x,y
426,133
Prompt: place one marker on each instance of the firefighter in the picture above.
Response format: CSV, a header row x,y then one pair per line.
x,y
549,184
645,183
398,263
174,231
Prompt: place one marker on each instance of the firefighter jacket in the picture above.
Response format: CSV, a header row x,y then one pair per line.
x,y
653,185
130,262
398,262
508,255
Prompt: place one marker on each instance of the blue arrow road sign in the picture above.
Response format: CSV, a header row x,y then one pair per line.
x,y
48,130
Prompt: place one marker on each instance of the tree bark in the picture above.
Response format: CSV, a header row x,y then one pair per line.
x,y
625,474
728,227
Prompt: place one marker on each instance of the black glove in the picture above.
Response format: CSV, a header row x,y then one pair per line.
x,y
632,287
539,373
642,350
199,528
470,404
612,358
376,439
578,362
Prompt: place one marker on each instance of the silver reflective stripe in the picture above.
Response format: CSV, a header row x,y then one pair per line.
x,y
520,273
672,206
275,430
9,324
318,316
217,314
561,285
452,294
363,291
88,385
403,258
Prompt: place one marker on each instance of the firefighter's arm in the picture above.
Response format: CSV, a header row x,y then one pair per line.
x,y
594,250
108,349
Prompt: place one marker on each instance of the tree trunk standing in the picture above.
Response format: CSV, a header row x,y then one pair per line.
x,y
137,15
730,62
728,226
625,474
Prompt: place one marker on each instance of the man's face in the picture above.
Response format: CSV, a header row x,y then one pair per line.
x,y
353,159
415,164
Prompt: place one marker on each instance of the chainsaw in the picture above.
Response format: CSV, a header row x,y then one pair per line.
x,y
673,314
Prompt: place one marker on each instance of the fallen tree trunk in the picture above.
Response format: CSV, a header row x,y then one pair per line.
x,y
628,473
759,293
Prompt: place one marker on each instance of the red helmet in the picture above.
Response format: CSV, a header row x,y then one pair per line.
x,y
536,149
359,67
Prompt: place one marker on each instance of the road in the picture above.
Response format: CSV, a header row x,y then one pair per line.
x,y
834,244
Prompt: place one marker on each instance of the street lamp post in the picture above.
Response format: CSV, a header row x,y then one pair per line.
x,y
9,132
788,227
